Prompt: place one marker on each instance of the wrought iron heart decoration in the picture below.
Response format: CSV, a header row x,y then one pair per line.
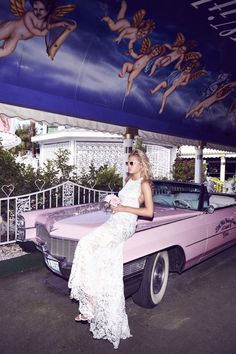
x,y
39,184
7,189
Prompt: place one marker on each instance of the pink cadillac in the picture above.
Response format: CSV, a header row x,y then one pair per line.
x,y
189,225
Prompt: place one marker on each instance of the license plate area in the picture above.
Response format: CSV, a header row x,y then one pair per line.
x,y
53,264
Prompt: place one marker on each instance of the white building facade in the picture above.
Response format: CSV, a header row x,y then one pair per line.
x,y
88,147
224,161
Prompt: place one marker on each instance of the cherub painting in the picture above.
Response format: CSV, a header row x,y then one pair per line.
x,y
138,28
183,78
147,52
232,113
177,51
38,22
218,95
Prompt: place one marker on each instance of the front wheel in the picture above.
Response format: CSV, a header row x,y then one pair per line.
x,y
154,282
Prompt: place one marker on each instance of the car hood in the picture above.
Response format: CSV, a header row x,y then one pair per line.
x,y
77,226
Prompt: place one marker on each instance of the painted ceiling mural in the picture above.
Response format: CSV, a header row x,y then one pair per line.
x,y
159,65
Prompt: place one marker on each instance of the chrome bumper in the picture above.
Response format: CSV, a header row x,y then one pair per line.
x,y
133,271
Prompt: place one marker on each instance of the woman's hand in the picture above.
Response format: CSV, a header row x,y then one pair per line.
x,y
119,208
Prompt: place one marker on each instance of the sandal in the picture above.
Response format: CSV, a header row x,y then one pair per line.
x,y
81,318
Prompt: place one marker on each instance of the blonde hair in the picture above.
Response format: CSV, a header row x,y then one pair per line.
x,y
146,172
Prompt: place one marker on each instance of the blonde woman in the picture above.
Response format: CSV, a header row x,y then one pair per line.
x,y
96,279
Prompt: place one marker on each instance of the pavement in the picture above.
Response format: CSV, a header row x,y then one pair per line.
x,y
196,316
21,264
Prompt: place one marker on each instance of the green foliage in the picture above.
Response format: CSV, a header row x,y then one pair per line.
x,y
219,184
62,164
6,173
49,173
28,175
25,133
88,179
16,174
183,169
58,170
105,178
55,171
108,178
138,144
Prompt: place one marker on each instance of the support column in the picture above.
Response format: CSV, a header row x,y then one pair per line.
x,y
198,163
222,168
44,128
173,154
41,155
129,136
72,149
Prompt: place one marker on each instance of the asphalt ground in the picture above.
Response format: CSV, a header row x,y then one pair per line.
x,y
196,316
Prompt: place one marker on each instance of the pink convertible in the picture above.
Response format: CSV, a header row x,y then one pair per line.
x,y
189,225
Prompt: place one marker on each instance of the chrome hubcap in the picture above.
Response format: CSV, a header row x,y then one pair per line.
x,y
158,275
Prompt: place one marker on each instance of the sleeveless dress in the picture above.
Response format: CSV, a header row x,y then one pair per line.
x,y
96,278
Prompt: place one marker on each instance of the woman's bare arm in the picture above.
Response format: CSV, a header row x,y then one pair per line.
x,y
147,210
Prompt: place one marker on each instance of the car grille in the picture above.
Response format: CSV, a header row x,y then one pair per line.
x,y
58,247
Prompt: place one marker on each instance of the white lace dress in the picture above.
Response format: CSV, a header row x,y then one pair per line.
x,y
96,279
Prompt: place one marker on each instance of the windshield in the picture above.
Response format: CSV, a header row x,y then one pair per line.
x,y
177,195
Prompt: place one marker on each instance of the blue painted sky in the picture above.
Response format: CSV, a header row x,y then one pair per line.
x,y
83,78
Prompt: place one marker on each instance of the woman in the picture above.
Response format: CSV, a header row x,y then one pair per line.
x,y
96,279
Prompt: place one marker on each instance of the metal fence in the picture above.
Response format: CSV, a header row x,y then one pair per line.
x,y
64,194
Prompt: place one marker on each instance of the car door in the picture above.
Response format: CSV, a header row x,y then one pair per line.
x,y
221,229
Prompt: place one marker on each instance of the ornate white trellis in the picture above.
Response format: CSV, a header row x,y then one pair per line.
x,y
64,194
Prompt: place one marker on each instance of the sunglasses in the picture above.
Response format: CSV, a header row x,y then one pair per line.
x,y
131,163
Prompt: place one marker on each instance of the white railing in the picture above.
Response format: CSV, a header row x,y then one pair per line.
x,y
64,194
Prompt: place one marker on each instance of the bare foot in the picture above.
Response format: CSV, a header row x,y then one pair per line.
x,y
81,318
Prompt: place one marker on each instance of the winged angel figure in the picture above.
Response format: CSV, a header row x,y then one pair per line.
x,y
39,22
147,52
181,78
177,51
138,28
220,93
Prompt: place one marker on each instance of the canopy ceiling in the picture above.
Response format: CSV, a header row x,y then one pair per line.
x,y
164,68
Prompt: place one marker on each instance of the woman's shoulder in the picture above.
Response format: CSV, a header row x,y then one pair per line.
x,y
146,183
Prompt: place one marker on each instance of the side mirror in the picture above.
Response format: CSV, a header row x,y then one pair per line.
x,y
210,209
